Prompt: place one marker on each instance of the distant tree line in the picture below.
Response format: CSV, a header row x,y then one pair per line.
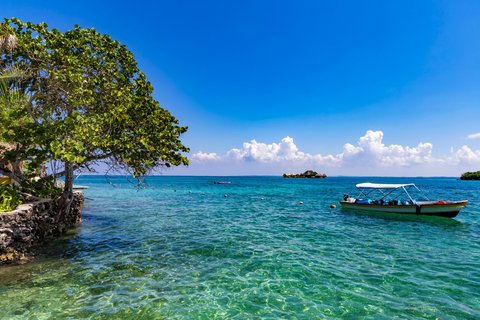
x,y
471,176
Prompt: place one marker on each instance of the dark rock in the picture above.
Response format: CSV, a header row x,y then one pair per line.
x,y
306,174
34,223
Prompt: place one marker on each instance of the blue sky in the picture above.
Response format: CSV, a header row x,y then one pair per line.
x,y
398,81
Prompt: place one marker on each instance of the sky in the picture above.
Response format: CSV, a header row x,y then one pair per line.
x,y
362,88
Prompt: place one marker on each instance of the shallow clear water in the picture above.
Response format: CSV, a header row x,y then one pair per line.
x,y
180,249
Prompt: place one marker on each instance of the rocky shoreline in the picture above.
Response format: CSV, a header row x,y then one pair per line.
x,y
32,224
306,174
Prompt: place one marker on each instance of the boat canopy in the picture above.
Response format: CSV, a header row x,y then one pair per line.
x,y
382,185
387,190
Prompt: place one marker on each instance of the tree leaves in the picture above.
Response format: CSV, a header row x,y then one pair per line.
x,y
89,101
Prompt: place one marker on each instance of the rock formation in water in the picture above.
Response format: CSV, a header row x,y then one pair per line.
x,y
306,174
31,224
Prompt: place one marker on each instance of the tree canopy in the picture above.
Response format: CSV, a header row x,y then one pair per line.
x,y
82,99
470,176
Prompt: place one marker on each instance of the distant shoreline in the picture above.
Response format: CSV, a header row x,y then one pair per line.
x,y
279,176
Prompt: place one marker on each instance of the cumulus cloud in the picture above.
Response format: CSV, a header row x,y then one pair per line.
x,y
206,156
372,150
474,136
286,150
466,155
368,152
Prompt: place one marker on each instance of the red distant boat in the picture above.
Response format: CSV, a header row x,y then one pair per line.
x,y
222,182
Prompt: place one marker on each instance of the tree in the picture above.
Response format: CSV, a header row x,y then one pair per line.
x,y
13,104
88,102
470,176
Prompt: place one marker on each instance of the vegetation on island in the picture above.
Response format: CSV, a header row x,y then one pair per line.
x,y
73,99
306,174
470,176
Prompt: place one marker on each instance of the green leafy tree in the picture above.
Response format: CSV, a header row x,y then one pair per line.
x,y
88,102
13,102
470,176
12,116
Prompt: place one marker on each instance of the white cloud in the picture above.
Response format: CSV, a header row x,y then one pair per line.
x,y
474,136
466,155
286,150
371,150
368,156
206,156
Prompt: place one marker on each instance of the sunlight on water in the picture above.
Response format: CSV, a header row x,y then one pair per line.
x,y
180,249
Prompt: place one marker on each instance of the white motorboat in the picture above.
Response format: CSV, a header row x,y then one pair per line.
x,y
397,198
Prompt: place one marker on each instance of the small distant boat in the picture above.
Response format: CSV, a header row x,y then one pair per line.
x,y
396,198
221,182
77,187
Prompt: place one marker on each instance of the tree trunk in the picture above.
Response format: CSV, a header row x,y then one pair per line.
x,y
68,190
67,195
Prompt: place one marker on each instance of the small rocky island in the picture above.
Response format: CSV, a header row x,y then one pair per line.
x,y
306,174
470,176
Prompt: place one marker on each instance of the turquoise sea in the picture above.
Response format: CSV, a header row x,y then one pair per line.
x,y
185,248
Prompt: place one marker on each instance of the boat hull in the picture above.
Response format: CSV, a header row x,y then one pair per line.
x,y
449,209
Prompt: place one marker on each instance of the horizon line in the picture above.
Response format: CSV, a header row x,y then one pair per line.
x,y
266,175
